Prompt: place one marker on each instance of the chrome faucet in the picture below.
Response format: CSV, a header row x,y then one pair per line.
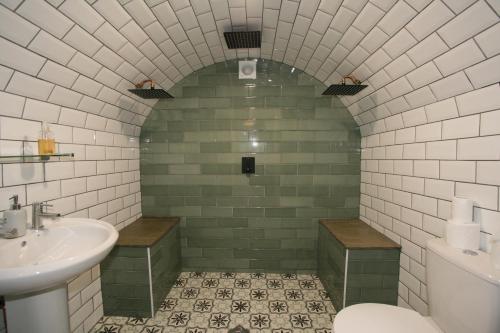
x,y
37,213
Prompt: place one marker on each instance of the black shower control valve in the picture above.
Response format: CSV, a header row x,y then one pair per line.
x,y
248,165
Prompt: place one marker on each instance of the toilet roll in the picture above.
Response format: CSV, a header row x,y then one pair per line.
x,y
463,235
495,252
462,210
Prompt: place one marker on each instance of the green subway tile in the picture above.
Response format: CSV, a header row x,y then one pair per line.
x,y
264,202
253,101
264,244
280,169
314,147
232,202
192,252
281,190
298,243
218,253
181,103
215,79
215,125
232,180
246,233
314,169
169,201
198,92
230,91
248,212
200,201
215,103
280,212
264,180
277,101
185,211
199,180
302,91
293,113
216,190
218,243
295,180
312,212
264,254
212,233
200,222
265,91
234,222
249,190
296,202
215,147
232,113
217,211
267,265
280,233
184,169
200,158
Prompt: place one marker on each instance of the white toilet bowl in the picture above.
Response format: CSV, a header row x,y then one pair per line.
x,y
382,318
463,289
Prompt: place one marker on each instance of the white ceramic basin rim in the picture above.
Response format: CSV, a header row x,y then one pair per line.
x,y
50,257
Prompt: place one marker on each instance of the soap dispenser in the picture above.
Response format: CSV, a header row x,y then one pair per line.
x,y
14,220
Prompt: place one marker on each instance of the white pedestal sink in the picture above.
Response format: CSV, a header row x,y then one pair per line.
x,y
34,270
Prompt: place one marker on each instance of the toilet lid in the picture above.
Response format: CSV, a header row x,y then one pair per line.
x,y
380,318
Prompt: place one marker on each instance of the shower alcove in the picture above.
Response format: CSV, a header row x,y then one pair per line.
x,y
307,166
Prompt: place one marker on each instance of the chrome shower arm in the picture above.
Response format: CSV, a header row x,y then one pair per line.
x,y
352,78
142,83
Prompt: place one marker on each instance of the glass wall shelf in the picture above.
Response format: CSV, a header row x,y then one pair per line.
x,y
35,158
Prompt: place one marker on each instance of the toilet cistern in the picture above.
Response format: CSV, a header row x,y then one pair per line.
x,y
38,213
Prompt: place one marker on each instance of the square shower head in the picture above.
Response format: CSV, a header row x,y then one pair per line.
x,y
151,93
242,39
344,89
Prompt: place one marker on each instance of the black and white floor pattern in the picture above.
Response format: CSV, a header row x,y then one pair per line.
x,y
220,302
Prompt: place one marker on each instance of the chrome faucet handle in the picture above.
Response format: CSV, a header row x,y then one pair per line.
x,y
44,205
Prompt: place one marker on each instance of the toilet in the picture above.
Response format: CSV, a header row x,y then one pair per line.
x,y
463,291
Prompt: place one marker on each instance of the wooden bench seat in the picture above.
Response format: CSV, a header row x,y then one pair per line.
x,y
146,231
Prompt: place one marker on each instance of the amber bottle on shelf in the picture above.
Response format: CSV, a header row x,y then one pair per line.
x,y
47,143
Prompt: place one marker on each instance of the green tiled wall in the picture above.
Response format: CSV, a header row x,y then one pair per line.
x,y
372,274
307,155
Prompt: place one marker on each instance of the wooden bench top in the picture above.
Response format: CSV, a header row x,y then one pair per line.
x,y
356,234
146,231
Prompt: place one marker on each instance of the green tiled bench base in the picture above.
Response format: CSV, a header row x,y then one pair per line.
x,y
372,274
125,276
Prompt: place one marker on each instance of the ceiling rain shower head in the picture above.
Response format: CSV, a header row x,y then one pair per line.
x,y
242,39
345,89
151,92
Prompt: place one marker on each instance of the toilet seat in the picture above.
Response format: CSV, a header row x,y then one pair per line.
x,y
381,318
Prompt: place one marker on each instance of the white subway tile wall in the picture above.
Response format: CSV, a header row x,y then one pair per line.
x,y
430,116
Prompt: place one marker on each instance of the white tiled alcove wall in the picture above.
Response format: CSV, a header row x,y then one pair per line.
x,y
430,117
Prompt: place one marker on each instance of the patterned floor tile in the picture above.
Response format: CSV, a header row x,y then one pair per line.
x,y
214,302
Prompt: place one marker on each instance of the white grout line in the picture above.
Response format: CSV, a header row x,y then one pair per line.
x,y
345,277
150,283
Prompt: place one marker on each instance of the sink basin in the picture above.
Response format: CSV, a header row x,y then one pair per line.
x,y
42,259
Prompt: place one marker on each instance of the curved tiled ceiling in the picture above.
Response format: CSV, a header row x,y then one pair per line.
x,y
388,43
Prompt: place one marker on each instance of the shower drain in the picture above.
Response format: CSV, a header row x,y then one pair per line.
x,y
239,329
